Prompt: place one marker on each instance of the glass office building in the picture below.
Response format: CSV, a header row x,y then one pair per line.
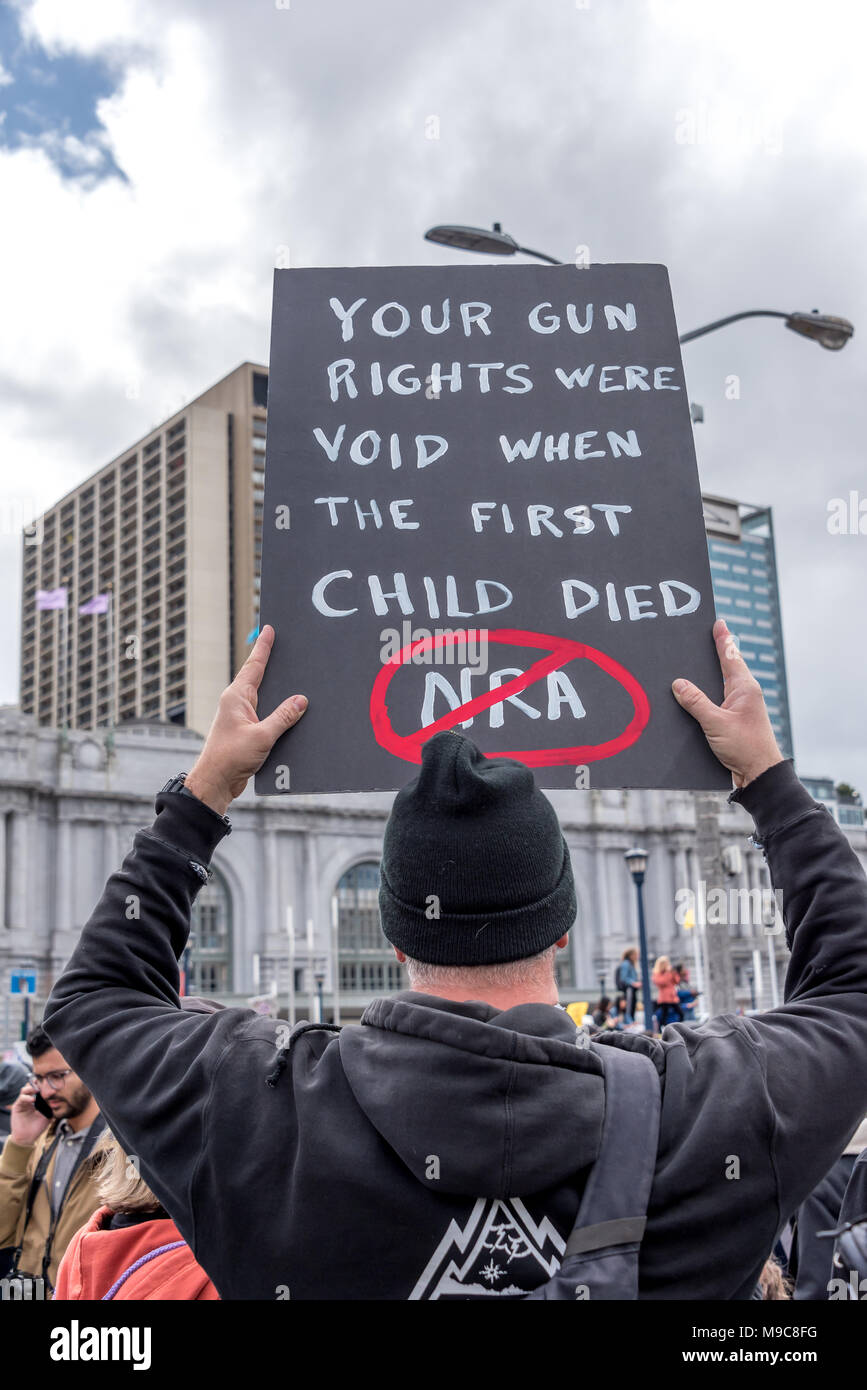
x,y
743,570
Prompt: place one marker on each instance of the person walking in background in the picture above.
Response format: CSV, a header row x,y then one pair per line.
x,y
601,1012
667,1006
850,1244
617,1016
12,1077
46,1166
627,982
811,1259
686,996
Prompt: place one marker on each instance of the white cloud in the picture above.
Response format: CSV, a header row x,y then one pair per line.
x,y
89,27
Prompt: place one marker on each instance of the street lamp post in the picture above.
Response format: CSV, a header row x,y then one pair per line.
x,y
636,860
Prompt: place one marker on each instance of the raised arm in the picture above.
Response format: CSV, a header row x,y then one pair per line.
x,y
115,1013
813,1048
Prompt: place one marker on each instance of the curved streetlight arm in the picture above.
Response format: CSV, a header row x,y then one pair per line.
x,y
540,255
732,318
827,330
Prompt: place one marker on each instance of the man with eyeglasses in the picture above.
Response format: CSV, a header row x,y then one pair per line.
x,y
46,1193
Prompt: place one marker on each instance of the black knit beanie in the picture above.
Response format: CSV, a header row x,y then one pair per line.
x,y
475,870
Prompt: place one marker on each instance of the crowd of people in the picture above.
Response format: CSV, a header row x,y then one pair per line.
x,y
168,1148
674,999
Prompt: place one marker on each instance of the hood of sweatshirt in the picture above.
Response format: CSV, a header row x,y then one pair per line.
x,y
428,1072
102,1254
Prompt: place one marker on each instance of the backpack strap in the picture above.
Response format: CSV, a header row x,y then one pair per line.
x,y
613,1209
88,1143
600,1260
35,1184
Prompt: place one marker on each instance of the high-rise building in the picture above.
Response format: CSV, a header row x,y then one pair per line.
x,y
743,568
171,530
844,803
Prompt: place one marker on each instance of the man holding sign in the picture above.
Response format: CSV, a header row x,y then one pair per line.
x,y
446,1146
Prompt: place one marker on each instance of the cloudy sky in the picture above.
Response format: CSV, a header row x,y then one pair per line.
x,y
157,159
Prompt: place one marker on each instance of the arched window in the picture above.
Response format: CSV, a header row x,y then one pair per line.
x,y
210,960
367,961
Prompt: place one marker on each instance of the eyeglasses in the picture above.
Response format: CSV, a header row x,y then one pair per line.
x,y
52,1079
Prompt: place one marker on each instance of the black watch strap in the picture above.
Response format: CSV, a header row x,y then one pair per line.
x,y
178,786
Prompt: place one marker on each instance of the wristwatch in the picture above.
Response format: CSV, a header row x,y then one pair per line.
x,y
178,785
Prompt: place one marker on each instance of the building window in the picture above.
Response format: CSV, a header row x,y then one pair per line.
x,y
260,389
367,962
211,954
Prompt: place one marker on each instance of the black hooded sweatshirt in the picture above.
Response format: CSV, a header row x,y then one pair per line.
x,y
439,1150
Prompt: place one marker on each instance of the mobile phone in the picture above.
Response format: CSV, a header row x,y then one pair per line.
x,y
43,1107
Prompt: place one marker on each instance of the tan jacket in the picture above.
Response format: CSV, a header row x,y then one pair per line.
x,y
18,1163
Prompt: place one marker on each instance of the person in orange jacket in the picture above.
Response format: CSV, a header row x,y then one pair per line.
x,y
130,1247
665,980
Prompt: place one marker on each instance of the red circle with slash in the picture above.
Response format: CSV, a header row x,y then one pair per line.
x,y
559,651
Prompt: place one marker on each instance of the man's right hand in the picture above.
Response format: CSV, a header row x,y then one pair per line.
x,y
238,741
739,730
25,1122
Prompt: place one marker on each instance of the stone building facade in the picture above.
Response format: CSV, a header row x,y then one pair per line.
x,y
71,803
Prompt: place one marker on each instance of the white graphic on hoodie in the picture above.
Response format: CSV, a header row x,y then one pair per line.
x,y
500,1250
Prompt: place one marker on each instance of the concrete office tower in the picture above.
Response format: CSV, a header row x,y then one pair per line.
x,y
171,528
743,567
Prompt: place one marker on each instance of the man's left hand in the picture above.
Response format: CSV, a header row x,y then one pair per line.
x,y
238,743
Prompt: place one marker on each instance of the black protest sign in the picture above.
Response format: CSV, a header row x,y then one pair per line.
x,y
482,512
